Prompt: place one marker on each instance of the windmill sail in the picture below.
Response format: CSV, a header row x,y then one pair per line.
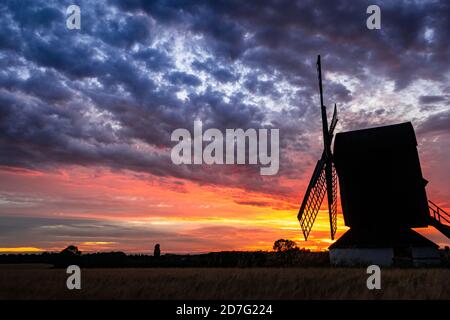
x,y
334,121
330,173
324,178
333,208
332,203
313,199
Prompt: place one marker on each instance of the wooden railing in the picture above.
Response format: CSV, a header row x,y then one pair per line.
x,y
437,213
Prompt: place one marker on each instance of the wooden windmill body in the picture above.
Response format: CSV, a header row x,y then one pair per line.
x,y
382,195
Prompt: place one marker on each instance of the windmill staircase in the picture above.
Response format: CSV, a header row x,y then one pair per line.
x,y
439,219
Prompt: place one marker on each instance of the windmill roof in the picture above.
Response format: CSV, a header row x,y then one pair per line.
x,y
396,135
354,238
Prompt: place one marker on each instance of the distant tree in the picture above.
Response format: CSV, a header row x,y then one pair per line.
x,y
283,245
71,250
157,251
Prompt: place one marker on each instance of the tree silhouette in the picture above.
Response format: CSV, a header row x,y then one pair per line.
x,y
71,251
157,251
283,245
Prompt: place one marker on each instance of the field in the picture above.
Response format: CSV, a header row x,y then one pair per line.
x,y
42,282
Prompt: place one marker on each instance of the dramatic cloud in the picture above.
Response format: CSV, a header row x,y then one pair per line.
x,y
439,122
109,95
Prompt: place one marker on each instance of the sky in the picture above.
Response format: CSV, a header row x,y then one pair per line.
x,y
86,115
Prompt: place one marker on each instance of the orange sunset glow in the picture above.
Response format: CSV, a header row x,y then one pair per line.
x,y
87,117
209,218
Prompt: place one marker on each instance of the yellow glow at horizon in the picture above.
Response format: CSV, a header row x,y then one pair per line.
x,y
20,249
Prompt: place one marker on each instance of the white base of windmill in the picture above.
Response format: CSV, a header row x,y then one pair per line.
x,y
405,248
421,256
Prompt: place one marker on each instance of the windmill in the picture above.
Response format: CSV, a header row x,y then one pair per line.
x,y
382,192
324,178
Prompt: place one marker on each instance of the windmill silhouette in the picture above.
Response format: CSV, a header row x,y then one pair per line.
x,y
382,192
324,178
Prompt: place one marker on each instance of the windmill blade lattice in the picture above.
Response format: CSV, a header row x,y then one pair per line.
x,y
324,178
333,207
313,199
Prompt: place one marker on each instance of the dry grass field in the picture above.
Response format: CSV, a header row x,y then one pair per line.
x,y
41,282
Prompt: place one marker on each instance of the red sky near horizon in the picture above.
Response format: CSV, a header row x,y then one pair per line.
x,y
86,116
138,212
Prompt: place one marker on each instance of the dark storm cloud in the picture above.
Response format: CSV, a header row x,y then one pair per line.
x,y
220,73
154,59
260,87
287,32
85,97
433,99
45,85
126,32
439,122
338,92
183,79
